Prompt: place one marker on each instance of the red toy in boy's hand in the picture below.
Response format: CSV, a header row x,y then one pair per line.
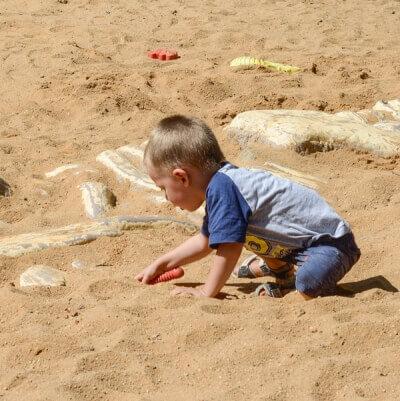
x,y
163,54
173,274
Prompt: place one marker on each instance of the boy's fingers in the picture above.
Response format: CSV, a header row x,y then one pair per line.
x,y
144,276
139,277
147,278
147,275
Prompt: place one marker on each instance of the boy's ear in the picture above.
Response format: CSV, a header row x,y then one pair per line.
x,y
182,176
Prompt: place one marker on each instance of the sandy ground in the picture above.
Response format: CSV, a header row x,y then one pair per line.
x,y
75,80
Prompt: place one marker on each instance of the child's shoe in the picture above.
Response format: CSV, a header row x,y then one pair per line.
x,y
248,270
269,289
284,275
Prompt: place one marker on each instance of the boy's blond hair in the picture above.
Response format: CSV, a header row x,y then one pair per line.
x,y
179,141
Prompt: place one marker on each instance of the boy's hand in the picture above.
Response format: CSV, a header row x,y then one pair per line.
x,y
151,271
191,250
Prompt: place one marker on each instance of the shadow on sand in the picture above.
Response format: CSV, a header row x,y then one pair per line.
x,y
355,287
349,289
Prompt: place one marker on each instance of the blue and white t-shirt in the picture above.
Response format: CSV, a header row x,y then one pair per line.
x,y
270,215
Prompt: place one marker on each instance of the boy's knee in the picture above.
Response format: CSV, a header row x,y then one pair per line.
x,y
307,284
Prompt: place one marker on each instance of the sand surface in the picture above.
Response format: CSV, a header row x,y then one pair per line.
x,y
75,80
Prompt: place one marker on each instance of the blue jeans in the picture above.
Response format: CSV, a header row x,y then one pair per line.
x,y
323,264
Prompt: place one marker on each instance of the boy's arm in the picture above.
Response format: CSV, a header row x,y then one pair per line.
x,y
193,249
223,264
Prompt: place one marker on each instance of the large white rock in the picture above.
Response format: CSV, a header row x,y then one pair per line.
x,y
40,275
311,131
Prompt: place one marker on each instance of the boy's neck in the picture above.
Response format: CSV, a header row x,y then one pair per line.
x,y
200,179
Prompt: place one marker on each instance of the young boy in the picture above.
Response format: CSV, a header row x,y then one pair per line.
x,y
296,236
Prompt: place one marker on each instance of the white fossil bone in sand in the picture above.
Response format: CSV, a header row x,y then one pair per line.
x,y
308,131
294,173
97,198
391,106
82,233
125,170
61,169
374,116
131,151
389,126
40,275
351,115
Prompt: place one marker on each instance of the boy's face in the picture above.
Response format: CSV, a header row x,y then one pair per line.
x,y
178,188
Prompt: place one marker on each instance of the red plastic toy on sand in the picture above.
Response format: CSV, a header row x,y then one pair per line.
x,y
173,274
163,54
